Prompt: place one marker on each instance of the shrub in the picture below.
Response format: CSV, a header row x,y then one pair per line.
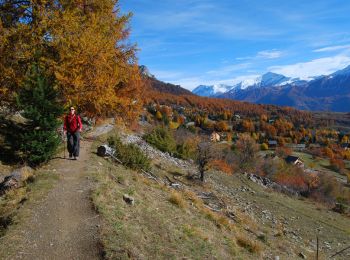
x,y
337,164
247,151
130,154
186,150
177,199
221,165
291,176
346,155
283,152
329,188
264,147
328,153
161,138
174,125
221,126
249,244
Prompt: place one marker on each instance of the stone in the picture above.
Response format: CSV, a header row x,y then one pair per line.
x,y
16,179
302,256
128,199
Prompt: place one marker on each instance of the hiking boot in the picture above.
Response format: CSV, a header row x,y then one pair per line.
x,y
70,156
76,157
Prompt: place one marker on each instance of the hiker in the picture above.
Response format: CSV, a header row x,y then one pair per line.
x,y
72,126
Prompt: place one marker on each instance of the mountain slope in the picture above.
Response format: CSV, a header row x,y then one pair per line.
x,y
324,93
163,87
153,84
230,217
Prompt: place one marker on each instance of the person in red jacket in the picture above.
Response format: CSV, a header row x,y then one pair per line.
x,y
72,126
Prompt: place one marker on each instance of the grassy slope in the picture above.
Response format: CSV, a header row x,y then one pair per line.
x,y
165,224
321,164
153,228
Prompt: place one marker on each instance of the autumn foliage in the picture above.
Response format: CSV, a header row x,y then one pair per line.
x,y
222,165
81,43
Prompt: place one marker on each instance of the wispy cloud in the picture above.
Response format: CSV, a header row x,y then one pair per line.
x,y
333,48
192,82
322,66
204,17
273,54
265,55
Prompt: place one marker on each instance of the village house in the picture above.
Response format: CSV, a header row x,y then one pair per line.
x,y
272,144
297,147
215,137
295,160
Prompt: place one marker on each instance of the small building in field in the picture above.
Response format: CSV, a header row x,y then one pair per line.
x,y
297,147
272,144
295,160
215,137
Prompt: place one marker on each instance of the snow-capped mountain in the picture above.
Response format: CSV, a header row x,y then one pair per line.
x,y
211,91
331,92
272,79
269,79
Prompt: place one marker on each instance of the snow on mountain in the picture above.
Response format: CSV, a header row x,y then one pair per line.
x,y
269,79
273,79
209,91
343,72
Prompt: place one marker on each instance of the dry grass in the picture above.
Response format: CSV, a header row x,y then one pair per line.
x,y
163,223
193,198
177,199
249,244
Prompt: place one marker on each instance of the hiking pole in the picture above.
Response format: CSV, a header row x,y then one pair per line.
x,y
64,144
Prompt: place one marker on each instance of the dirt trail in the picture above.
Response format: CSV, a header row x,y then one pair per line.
x,y
64,225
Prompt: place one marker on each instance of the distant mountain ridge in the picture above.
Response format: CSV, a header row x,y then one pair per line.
x,y
161,86
322,93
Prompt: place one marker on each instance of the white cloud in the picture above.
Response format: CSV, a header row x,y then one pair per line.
x,y
273,54
265,55
333,48
322,66
192,82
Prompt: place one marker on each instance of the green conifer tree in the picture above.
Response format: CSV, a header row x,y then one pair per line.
x,y
39,101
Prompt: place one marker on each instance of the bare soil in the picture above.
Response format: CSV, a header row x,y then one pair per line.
x,y
63,225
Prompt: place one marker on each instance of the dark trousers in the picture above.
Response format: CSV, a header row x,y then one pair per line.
x,y
73,143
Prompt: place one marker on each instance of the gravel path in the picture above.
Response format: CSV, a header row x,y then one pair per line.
x,y
64,225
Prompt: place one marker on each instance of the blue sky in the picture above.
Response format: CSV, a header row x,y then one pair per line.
x,y
193,42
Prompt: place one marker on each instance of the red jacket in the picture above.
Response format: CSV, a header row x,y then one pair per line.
x,y
72,123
